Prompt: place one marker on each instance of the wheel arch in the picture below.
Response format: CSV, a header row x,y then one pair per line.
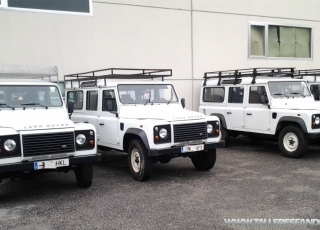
x,y
286,121
133,133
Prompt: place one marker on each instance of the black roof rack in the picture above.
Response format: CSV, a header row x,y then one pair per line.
x,y
253,72
307,73
117,73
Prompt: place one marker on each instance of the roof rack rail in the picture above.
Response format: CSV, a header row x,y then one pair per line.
x,y
252,72
117,73
307,73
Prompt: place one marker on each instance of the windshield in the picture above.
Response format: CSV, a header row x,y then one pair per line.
x,y
16,96
288,89
147,93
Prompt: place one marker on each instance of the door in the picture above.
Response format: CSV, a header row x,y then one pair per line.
x,y
235,107
108,121
257,113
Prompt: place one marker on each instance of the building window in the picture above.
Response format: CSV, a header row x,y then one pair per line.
x,y
92,100
52,6
213,94
279,41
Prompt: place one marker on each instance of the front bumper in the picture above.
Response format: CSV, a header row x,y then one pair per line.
x,y
29,165
176,151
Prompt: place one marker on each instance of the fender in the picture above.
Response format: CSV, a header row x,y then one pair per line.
x,y
141,134
222,119
293,119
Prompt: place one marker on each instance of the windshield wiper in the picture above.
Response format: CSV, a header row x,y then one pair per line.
x,y
8,106
279,94
33,103
298,93
148,100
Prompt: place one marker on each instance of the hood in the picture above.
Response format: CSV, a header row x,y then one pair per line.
x,y
160,112
34,119
296,104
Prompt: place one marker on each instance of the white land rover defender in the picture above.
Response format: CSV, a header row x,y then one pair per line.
x,y
135,111
263,103
36,134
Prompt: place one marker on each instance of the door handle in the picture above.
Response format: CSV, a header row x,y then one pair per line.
x,y
101,124
229,113
85,122
249,114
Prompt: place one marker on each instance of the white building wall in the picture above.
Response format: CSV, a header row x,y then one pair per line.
x,y
191,37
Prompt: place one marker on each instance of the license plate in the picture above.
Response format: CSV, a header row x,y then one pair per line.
x,y
192,148
51,164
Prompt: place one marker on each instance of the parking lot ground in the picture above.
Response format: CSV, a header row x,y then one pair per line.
x,y
248,181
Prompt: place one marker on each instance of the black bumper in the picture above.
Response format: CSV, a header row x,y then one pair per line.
x,y
29,165
176,151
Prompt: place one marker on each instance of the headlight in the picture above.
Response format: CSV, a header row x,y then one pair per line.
x,y
209,128
163,133
81,139
317,120
10,145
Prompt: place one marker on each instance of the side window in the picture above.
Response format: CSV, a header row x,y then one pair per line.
x,y
256,93
109,102
236,95
213,94
76,97
92,100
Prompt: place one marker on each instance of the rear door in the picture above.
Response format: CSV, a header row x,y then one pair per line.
x,y
235,107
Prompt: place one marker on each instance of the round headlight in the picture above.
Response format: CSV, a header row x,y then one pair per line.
x,y
317,120
10,145
209,128
81,139
163,133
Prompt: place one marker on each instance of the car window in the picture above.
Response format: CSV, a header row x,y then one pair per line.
x,y
236,94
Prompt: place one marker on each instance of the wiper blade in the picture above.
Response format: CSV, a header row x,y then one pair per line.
x,y
279,94
148,100
33,103
8,106
298,93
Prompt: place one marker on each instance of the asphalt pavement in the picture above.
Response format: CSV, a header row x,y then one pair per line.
x,y
249,181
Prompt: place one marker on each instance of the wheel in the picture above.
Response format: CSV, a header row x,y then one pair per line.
x,y
140,164
204,160
224,134
84,175
293,142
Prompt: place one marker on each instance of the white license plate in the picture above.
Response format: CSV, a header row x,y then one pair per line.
x,y
51,164
192,148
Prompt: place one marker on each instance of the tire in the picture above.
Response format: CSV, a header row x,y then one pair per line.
x,y
140,164
224,135
84,175
293,142
204,160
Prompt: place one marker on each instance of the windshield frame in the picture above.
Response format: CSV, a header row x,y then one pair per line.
x,y
287,94
146,101
39,104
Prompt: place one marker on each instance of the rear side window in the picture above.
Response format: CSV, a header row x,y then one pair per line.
x,y
76,97
213,94
236,95
92,100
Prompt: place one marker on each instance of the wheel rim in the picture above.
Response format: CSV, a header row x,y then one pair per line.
x,y
135,160
290,142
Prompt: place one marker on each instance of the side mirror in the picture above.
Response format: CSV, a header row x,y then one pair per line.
x,y
70,107
183,102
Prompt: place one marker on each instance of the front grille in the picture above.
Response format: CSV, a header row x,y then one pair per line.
x,y
53,143
190,132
